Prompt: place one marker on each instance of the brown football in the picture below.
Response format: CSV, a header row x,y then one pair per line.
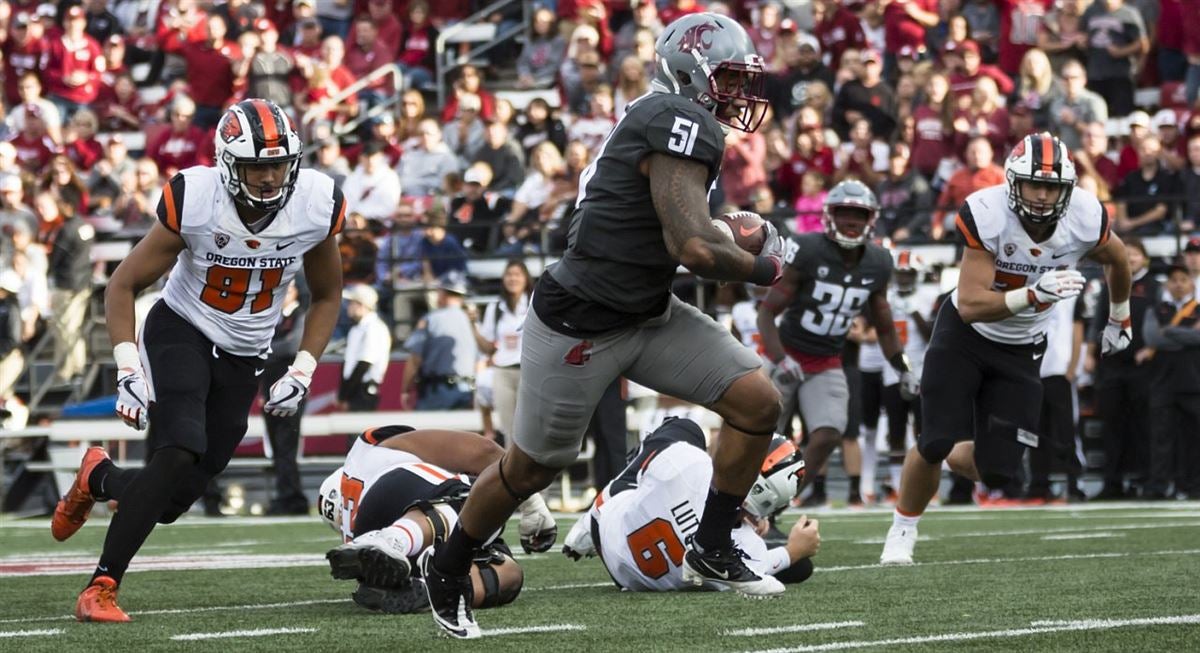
x,y
745,228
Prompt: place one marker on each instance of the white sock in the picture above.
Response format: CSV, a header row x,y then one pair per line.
x,y
904,521
894,471
408,536
870,461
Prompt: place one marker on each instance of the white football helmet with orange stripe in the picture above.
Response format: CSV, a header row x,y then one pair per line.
x,y
778,481
908,270
329,500
1043,160
257,132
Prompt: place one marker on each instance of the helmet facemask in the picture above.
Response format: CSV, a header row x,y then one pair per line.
x,y
1034,212
257,196
739,86
852,213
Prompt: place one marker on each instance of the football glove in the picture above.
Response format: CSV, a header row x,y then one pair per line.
x,y
787,372
292,387
537,527
133,395
772,249
910,385
1057,285
1118,333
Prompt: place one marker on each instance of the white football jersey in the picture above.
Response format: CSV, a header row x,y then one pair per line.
x,y
367,462
870,357
644,530
903,306
745,319
229,282
986,223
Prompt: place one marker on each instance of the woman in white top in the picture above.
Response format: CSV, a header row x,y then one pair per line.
x,y
499,336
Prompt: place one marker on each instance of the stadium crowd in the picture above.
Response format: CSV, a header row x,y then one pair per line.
x,y
919,99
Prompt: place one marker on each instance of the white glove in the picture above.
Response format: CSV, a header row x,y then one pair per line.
x,y
292,387
537,527
1058,285
1118,333
910,385
772,249
133,395
787,372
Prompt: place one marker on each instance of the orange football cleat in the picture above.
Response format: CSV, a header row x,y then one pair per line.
x,y
99,602
75,506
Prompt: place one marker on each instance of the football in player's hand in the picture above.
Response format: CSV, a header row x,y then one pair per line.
x,y
745,228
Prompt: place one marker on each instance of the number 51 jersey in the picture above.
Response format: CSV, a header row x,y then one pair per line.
x,y
228,281
831,294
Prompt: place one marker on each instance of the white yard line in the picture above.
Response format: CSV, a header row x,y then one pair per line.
x,y
798,628
1094,535
212,608
519,630
986,561
1031,531
572,586
31,633
1065,626
261,632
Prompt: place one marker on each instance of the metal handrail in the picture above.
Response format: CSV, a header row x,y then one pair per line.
x,y
440,45
392,69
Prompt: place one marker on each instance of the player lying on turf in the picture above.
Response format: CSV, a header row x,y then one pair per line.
x,y
398,493
640,522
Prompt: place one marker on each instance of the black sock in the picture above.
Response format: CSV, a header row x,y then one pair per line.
x,y
855,481
819,485
453,557
145,499
720,515
107,481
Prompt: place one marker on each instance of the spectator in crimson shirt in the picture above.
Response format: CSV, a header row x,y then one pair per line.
x,y
980,172
416,52
22,51
120,105
677,9
933,137
809,152
73,65
983,116
79,138
838,29
469,82
1170,35
308,39
333,55
210,69
34,147
1020,21
905,23
383,15
114,59
183,145
1093,157
368,54
963,81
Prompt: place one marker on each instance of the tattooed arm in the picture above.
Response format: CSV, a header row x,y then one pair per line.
x,y
678,188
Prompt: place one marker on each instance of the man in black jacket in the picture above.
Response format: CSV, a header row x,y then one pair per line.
x,y
68,240
1172,336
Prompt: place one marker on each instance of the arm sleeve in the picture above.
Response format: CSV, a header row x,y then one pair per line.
x,y
170,204
968,231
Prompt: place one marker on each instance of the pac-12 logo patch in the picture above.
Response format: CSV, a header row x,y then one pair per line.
x,y
1010,249
579,355
822,271
220,239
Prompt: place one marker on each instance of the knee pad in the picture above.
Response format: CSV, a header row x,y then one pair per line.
x,y
494,592
999,452
440,516
797,573
935,451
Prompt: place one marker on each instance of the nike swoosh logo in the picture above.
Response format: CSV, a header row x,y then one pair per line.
x,y
867,281
215,352
1038,356
1059,254
258,372
748,232
284,245
289,397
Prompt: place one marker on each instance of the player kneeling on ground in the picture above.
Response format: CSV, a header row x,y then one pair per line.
x,y
399,493
640,522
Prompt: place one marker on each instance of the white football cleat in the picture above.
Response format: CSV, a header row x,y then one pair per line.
x,y
898,547
578,544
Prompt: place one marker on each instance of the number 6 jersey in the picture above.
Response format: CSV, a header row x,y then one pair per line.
x,y
228,281
831,294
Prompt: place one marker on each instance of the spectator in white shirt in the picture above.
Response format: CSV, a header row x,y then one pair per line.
x,y
373,188
368,351
499,336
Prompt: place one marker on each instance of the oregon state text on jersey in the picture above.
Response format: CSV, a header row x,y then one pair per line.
x,y
228,281
616,255
985,222
831,295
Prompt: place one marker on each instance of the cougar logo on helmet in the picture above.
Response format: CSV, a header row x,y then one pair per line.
x,y
697,37
230,129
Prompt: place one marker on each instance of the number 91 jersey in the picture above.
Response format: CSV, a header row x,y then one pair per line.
x,y
228,281
830,294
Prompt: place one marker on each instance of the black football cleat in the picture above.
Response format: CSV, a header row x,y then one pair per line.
x,y
449,600
726,569
406,600
370,558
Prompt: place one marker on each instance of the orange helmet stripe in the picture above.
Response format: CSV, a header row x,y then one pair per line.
x,y
1047,154
775,456
270,128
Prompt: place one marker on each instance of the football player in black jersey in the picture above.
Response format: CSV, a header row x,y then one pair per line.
x,y
606,310
830,279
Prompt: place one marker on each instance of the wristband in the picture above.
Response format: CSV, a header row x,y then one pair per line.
x,y
899,362
1018,300
1119,312
305,363
127,356
764,271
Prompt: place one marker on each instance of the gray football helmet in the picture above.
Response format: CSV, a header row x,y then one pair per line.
x,y
852,193
709,59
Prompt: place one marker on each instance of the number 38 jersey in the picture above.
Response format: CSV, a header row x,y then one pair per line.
x,y
229,282
986,223
831,294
